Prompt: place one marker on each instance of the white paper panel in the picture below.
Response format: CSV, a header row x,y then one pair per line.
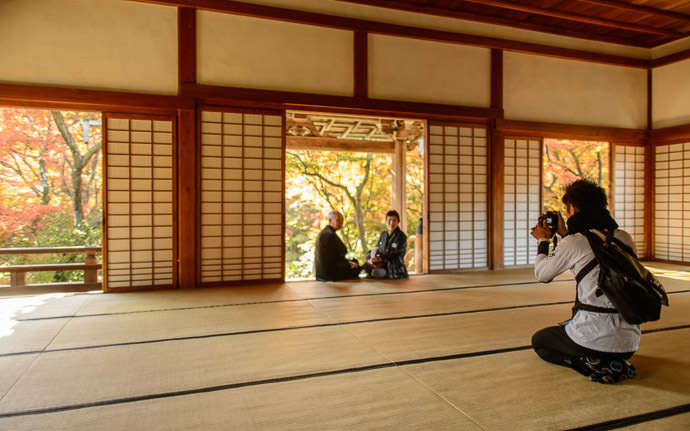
x,y
672,203
241,197
629,202
521,199
458,210
140,197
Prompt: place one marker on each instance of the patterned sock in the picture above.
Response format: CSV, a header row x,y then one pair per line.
x,y
581,365
604,370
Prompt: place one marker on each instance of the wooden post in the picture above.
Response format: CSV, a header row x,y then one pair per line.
x,y
496,168
90,274
18,278
399,198
419,248
187,200
361,73
650,179
187,223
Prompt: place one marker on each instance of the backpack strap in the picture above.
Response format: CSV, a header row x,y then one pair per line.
x,y
586,270
586,307
625,247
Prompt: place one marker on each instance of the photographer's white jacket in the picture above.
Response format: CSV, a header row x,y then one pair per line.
x,y
604,332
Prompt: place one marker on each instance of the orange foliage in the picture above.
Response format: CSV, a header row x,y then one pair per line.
x,y
565,160
36,168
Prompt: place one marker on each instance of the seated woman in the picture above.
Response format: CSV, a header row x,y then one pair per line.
x,y
387,259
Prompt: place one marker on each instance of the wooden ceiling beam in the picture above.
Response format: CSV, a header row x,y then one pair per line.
x,y
335,144
91,100
376,27
577,18
641,9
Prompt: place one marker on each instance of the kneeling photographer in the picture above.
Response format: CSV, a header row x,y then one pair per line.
x,y
593,342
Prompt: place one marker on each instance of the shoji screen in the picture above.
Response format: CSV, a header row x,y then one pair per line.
x,y
140,164
458,194
628,208
241,197
672,204
521,199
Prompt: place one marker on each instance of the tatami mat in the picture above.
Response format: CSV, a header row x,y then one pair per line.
x,y
133,324
374,400
433,352
13,367
676,422
403,340
79,376
527,394
123,328
30,336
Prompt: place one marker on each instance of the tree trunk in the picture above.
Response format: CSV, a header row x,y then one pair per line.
x,y
77,203
45,185
79,161
359,213
359,220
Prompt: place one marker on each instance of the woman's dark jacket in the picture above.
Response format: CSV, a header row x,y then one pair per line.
x,y
392,250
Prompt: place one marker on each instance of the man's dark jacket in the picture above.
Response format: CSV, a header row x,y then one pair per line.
x,y
392,248
330,262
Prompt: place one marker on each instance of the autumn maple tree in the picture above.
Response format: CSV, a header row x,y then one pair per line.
x,y
51,171
565,160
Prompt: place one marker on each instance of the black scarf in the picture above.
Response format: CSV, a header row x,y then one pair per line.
x,y
600,220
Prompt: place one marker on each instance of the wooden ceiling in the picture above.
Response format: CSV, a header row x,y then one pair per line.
x,y
334,132
641,23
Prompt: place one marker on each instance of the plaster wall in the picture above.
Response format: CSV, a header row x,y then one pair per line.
x,y
545,89
240,51
105,44
421,71
670,95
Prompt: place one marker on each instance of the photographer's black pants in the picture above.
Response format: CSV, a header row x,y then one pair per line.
x,y
553,345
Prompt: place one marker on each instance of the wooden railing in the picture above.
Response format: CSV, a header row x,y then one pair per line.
x,y
91,266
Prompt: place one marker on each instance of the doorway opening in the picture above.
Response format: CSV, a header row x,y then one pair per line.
x,y
51,204
362,166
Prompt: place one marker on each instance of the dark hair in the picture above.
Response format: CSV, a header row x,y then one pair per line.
x,y
585,195
393,213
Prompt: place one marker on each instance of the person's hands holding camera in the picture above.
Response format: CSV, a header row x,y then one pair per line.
x,y
562,227
541,231
549,224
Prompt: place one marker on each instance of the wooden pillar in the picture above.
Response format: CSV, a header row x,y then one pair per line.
x,y
91,274
17,278
186,45
361,73
399,183
649,174
419,249
187,220
496,167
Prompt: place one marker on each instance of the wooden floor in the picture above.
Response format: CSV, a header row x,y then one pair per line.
x,y
435,352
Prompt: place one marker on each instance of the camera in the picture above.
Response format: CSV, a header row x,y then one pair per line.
x,y
551,219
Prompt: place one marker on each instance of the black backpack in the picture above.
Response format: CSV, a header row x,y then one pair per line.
x,y
632,289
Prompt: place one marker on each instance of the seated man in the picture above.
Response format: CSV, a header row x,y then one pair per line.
x,y
330,262
387,259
